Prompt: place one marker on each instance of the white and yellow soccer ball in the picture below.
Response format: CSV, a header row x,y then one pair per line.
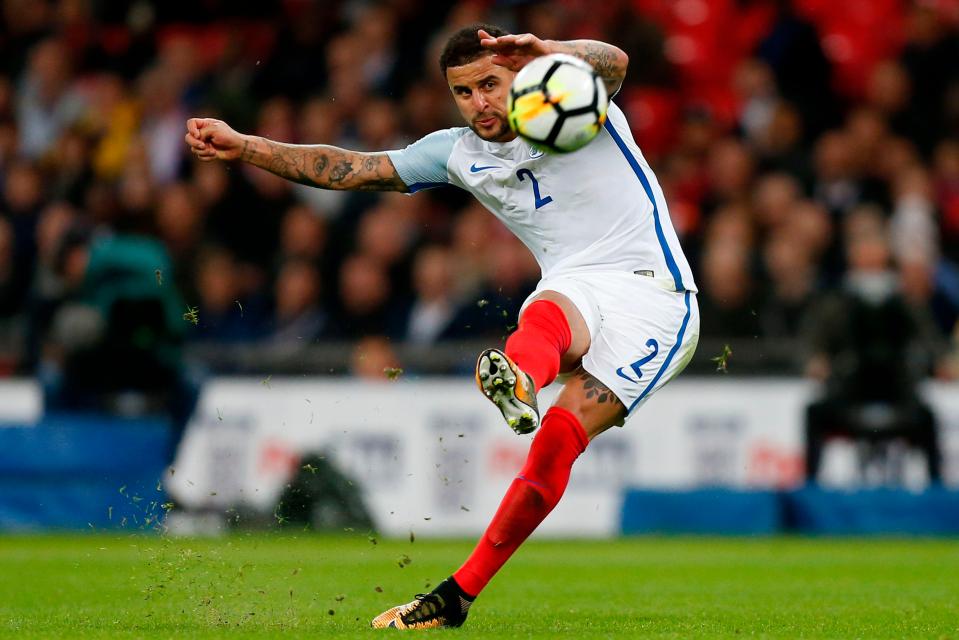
x,y
557,103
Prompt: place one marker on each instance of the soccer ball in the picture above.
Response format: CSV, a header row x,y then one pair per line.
x,y
557,103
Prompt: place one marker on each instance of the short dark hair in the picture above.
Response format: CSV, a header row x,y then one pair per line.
x,y
464,46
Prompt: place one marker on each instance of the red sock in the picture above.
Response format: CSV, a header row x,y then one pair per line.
x,y
530,498
542,337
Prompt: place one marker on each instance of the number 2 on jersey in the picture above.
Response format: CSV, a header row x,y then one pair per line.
x,y
538,200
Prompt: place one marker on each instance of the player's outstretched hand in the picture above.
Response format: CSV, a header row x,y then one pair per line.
x,y
211,139
513,51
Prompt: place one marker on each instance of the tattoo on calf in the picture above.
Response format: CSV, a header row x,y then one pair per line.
x,y
596,389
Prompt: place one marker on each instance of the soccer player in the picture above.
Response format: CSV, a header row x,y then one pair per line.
x,y
616,306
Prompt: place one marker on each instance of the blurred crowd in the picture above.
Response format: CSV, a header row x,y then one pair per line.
x,y
800,144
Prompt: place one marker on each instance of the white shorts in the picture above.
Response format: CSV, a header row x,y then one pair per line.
x,y
642,334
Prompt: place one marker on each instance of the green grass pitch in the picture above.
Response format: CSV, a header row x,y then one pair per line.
x,y
306,586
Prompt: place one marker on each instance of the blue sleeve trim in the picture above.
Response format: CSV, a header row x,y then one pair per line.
x,y
422,186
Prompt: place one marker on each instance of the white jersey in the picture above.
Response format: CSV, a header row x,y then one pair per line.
x,y
598,209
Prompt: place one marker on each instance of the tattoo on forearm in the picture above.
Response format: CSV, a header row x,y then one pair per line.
x,y
247,154
604,58
601,58
290,164
341,171
595,389
327,167
320,165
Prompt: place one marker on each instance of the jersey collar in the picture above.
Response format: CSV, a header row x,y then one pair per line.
x,y
503,149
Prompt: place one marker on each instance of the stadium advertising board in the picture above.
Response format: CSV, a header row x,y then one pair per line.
x,y
432,456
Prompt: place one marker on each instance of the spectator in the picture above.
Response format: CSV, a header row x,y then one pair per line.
x,y
729,300
755,149
159,92
931,291
364,298
889,91
23,200
871,348
428,316
118,332
510,276
373,358
775,195
49,289
931,45
114,118
303,234
791,270
779,145
179,222
913,227
221,315
472,238
48,102
757,89
836,185
298,316
730,172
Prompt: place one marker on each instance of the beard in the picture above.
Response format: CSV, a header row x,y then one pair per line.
x,y
500,133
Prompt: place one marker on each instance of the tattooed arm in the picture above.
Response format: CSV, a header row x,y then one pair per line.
x,y
320,166
515,51
609,62
323,166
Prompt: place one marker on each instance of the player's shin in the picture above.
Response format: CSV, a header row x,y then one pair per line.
x,y
532,495
540,340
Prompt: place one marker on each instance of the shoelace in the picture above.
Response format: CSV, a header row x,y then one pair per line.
x,y
428,606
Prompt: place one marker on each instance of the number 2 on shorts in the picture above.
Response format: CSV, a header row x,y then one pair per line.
x,y
636,366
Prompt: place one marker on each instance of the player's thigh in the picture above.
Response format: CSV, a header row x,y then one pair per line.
x,y
647,337
593,403
578,329
579,305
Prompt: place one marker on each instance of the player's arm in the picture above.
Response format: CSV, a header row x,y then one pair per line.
x,y
514,51
609,62
322,166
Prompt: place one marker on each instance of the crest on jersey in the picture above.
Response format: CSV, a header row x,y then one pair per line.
x,y
535,153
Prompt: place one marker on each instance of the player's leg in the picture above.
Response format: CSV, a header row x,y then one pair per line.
x,y
641,347
646,337
584,409
552,336
521,345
